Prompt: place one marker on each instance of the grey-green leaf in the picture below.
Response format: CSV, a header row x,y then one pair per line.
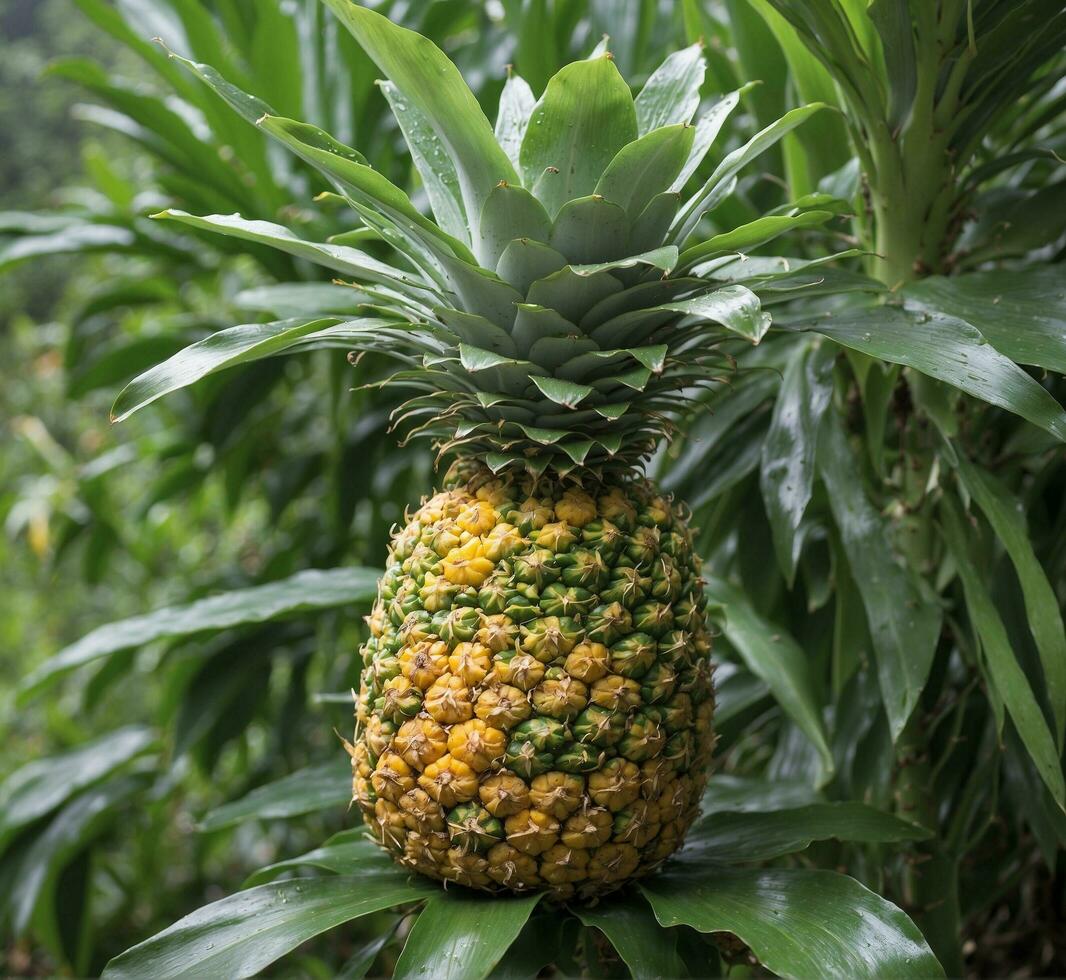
x,y
584,117
645,168
671,94
735,307
516,106
424,75
224,349
433,163
339,258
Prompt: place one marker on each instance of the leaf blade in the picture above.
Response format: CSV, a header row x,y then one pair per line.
x,y
304,592
241,934
462,935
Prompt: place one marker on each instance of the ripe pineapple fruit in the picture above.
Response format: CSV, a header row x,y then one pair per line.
x,y
535,709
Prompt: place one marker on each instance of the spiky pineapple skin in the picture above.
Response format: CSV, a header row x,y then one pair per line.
x,y
536,704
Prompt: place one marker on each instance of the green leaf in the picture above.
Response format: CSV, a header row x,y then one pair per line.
x,y
788,454
628,923
35,789
566,393
949,350
222,350
424,76
587,228
516,107
751,235
708,196
75,238
351,852
749,795
1002,669
904,624
323,787
538,945
305,592
243,933
708,126
671,94
1007,517
381,204
510,212
735,307
645,168
798,922
739,837
339,258
664,258
71,831
287,300
1021,312
892,18
433,163
462,935
584,117
776,658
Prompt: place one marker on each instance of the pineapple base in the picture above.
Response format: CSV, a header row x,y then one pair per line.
x,y
536,705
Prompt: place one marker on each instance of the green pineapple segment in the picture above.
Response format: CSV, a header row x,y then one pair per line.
x,y
525,749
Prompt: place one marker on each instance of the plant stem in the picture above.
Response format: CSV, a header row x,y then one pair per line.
x,y
931,878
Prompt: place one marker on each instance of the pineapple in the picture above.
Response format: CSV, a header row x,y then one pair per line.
x,y
535,710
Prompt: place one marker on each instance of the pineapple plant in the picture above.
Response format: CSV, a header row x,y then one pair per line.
x,y
535,710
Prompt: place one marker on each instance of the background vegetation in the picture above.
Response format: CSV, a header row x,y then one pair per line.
x,y
922,564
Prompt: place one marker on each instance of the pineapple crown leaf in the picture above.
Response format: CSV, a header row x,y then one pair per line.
x,y
552,314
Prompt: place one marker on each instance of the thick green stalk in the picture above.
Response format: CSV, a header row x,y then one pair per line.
x,y
930,879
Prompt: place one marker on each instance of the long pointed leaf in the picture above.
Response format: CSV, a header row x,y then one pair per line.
x,y
462,935
788,454
1005,514
777,659
904,625
243,933
949,350
1003,671
303,592
424,75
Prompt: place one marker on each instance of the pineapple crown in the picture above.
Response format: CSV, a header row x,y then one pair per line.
x,y
554,316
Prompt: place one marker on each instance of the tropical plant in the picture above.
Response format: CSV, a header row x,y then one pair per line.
x,y
904,652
